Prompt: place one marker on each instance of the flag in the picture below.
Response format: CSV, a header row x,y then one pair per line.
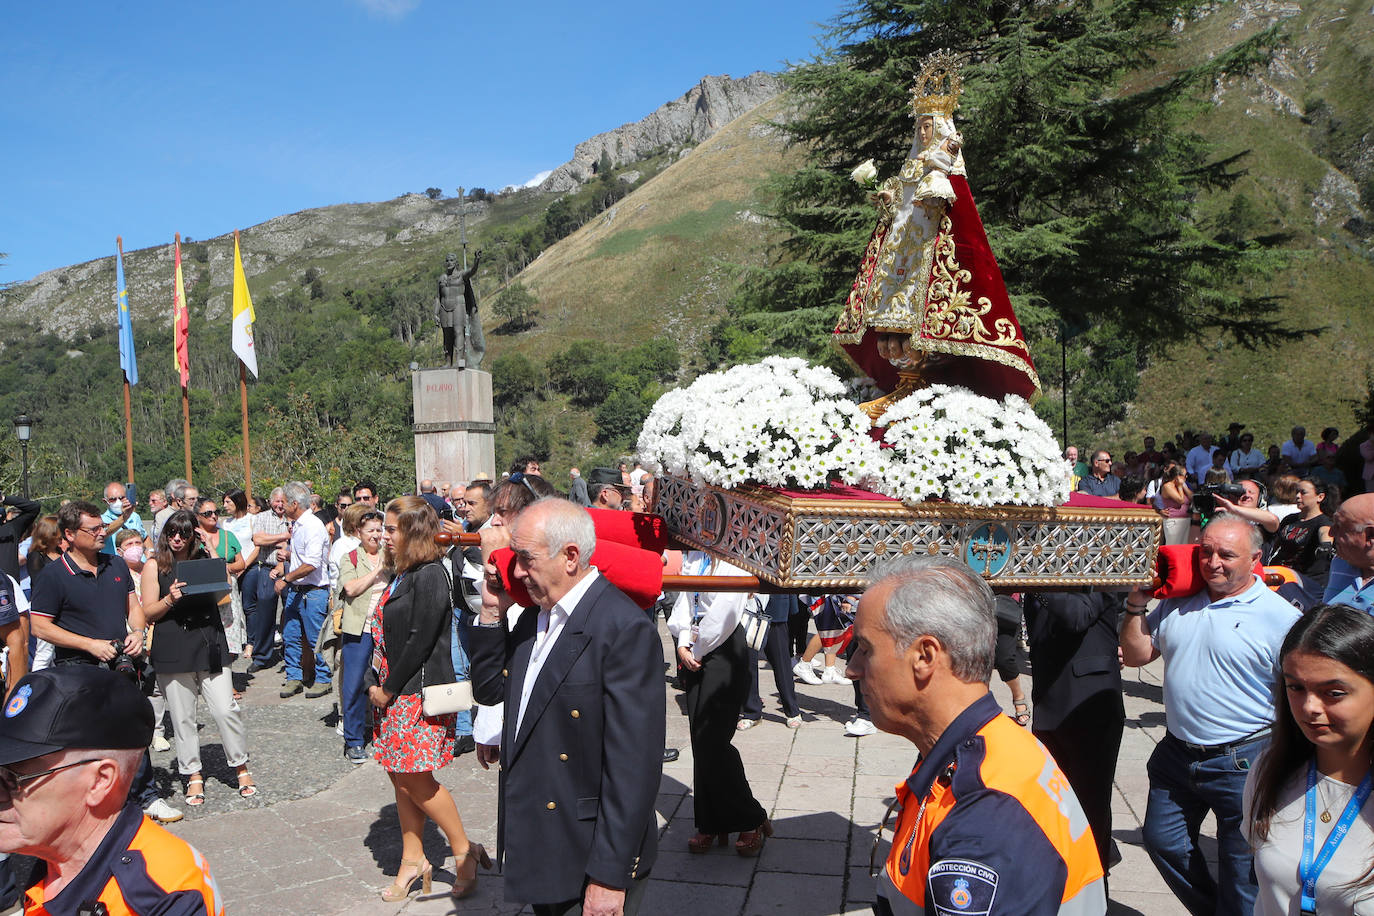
x,y
127,360
242,340
181,323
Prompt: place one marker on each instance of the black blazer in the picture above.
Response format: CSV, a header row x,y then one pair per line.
x,y
1073,641
416,622
579,780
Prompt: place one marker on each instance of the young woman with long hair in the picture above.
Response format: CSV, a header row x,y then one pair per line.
x,y
1306,810
410,636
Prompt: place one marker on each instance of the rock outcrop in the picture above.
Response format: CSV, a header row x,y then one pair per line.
x,y
702,110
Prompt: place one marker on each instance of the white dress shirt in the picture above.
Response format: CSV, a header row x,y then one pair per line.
x,y
310,546
716,614
548,627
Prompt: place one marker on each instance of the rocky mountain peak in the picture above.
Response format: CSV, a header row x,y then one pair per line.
x,y
686,121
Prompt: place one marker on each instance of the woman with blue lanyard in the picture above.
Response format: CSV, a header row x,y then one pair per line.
x,y
1306,810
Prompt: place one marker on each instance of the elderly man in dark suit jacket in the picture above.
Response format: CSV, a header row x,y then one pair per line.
x,y
581,677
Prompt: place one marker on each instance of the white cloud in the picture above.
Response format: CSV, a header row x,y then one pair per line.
x,y
388,9
537,180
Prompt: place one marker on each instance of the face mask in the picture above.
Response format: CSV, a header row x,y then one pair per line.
x,y
133,553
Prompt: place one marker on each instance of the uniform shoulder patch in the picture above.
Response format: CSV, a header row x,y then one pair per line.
x,y
17,702
960,887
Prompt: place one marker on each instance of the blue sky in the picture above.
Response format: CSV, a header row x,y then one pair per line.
x,y
146,119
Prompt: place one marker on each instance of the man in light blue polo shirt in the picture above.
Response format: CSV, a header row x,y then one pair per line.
x,y
1352,529
1220,649
119,514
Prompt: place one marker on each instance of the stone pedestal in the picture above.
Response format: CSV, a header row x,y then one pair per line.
x,y
455,436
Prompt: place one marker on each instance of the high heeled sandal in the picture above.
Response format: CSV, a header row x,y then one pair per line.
x,y
195,799
750,842
397,891
462,887
702,842
246,789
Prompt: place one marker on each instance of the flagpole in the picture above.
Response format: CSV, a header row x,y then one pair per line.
x,y
128,414
243,403
243,409
185,395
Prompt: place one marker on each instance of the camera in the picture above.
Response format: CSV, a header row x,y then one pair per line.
x,y
123,663
1205,499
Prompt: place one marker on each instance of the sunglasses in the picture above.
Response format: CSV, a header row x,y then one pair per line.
x,y
12,782
209,513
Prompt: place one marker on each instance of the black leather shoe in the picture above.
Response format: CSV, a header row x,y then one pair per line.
x,y
464,745
669,754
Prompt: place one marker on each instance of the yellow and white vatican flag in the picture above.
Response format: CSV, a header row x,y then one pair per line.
x,y
242,338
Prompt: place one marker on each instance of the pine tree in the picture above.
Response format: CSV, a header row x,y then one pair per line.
x,y
1087,177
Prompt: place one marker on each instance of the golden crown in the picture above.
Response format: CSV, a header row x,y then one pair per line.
x,y
937,86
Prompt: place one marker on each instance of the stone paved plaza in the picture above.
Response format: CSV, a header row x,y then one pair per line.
x,y
322,838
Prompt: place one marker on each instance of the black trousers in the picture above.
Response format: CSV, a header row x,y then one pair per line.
x,y
715,695
775,650
1086,745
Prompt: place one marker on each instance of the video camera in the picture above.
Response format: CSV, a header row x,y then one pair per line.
x,y
1205,499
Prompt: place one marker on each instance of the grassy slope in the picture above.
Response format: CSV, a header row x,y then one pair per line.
x,y
1207,384
662,261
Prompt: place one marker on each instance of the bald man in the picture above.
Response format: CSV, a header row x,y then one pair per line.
x,y
1352,528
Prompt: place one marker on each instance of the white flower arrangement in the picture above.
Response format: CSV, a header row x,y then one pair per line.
x,y
783,423
865,173
949,443
780,423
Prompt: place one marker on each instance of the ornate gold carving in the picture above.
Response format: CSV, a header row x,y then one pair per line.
x,y
949,314
938,85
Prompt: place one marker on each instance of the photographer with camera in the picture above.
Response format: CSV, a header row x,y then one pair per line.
x,y
84,604
1246,500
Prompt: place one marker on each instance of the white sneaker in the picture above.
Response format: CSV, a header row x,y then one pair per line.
x,y
832,676
805,672
162,812
160,742
858,727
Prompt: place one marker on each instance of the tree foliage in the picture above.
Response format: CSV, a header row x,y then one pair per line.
x,y
1091,185
517,307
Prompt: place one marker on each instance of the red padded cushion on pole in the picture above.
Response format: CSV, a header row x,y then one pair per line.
x,y
637,573
637,529
1179,576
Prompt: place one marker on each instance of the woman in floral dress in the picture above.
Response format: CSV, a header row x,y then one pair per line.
x,y
410,634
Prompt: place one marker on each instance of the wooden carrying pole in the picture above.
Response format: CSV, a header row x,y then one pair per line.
x,y
128,415
745,583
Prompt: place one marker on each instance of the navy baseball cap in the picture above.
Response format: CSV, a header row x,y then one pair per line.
x,y
80,706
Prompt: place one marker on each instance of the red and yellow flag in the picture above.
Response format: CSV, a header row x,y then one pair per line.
x,y
181,323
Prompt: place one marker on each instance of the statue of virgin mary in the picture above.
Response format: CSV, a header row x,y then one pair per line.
x,y
929,304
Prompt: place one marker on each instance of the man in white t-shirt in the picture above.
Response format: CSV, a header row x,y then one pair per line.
x,y
1300,451
1199,459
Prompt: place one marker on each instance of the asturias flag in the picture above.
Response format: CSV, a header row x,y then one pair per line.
x,y
242,338
127,360
181,323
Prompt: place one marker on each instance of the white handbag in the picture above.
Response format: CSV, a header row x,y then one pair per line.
x,y
442,699
755,621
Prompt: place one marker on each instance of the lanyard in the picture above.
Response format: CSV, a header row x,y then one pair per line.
x,y
1308,870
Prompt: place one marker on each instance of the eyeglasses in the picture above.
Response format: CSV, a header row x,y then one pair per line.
x,y
12,782
209,513
342,505
371,517
112,500
93,530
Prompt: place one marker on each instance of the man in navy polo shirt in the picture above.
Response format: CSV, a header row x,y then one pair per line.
x,y
84,604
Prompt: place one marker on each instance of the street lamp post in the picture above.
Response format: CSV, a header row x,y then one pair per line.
x,y
23,428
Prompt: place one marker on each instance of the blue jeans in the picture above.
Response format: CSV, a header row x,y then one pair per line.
x,y
355,654
263,621
305,611
458,645
1185,785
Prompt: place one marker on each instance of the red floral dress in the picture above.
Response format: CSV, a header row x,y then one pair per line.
x,y
407,740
